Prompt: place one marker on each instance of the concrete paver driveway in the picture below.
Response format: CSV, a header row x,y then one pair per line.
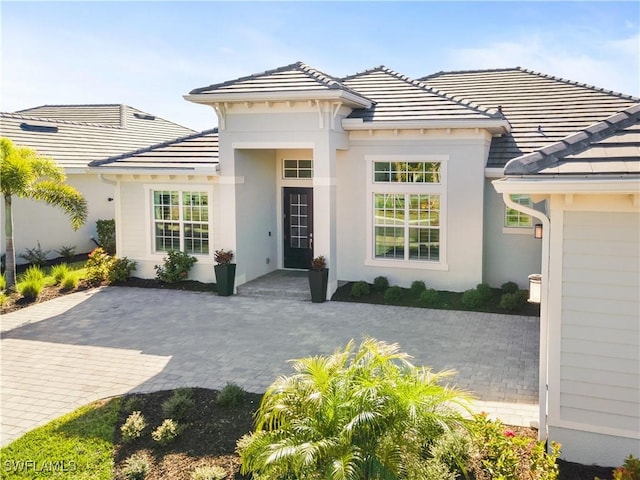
x,y
62,354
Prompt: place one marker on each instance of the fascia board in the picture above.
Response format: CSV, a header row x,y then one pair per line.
x,y
497,127
493,172
556,185
106,170
337,95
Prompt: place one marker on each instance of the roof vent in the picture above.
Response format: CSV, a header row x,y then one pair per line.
x,y
28,127
144,116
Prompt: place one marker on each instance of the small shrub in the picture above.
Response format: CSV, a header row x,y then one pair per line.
x,y
33,273
380,284
3,298
120,269
176,267
132,404
500,453
223,257
67,252
31,284
58,272
485,292
514,301
472,298
107,235
98,266
630,470
133,426
393,294
3,282
509,287
417,287
136,467
36,256
179,405
319,263
429,297
360,289
166,432
70,281
231,395
209,472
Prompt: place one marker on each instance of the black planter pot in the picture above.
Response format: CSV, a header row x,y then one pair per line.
x,y
318,280
225,278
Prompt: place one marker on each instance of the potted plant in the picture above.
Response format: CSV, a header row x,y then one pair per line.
x,y
318,278
225,272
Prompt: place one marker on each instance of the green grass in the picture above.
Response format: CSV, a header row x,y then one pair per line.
x,y
76,446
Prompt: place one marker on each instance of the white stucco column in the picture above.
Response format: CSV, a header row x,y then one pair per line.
x,y
324,209
225,218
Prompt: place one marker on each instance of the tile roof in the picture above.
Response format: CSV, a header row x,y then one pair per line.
x,y
295,77
611,146
541,109
398,98
191,152
74,135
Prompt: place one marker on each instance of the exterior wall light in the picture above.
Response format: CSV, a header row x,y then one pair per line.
x,y
537,232
535,286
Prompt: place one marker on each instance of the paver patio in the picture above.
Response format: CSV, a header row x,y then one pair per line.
x,y
64,353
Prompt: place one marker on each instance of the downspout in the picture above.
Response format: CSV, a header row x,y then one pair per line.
x,y
544,311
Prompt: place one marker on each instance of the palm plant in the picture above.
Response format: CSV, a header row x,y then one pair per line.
x,y
25,174
356,414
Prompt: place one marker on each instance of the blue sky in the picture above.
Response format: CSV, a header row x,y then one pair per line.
x,y
149,54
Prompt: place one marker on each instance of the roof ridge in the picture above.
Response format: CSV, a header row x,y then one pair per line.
x,y
491,112
97,163
291,66
478,70
357,74
57,120
578,84
75,105
574,143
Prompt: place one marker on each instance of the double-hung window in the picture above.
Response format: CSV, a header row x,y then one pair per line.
x,y
407,210
181,221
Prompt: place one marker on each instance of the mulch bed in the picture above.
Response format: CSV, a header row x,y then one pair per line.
x,y
209,436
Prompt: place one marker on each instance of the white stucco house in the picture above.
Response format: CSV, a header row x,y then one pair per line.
x,y
387,175
73,136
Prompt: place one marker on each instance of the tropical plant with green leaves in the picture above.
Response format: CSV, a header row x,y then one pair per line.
x,y
25,174
365,413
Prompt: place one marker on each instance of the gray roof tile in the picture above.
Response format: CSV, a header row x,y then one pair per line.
x,y
295,77
541,109
191,152
74,135
611,146
398,97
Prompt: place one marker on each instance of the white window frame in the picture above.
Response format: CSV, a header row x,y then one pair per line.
x,y
181,189
518,230
406,188
297,168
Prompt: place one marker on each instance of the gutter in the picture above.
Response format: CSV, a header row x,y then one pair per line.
x,y
544,310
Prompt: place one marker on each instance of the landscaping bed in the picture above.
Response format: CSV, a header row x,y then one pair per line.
x,y
445,300
209,438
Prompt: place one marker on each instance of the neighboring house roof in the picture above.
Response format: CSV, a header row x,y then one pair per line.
x,y
399,98
541,109
296,80
192,152
611,146
74,135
